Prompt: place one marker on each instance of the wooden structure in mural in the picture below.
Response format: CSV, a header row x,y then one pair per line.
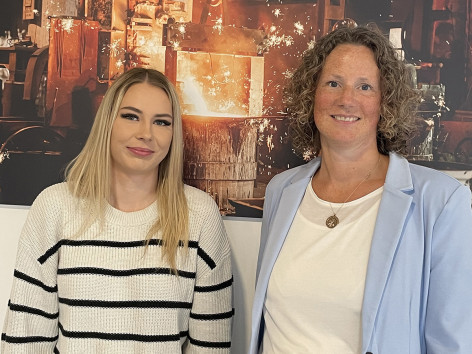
x,y
220,154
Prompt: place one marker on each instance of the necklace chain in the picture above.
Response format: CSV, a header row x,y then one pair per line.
x,y
333,220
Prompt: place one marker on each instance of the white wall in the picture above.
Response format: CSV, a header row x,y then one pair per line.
x,y
243,235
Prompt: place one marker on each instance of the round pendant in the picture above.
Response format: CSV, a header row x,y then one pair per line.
x,y
332,221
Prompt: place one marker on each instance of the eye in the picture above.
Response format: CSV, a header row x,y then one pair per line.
x,y
162,122
366,87
129,116
333,84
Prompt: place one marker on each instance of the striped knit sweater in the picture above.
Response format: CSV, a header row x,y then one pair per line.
x,y
104,292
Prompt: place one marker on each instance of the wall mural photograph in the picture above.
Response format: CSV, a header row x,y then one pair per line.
x,y
229,60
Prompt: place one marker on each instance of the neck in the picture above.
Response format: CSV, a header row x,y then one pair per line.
x,y
132,193
343,177
347,167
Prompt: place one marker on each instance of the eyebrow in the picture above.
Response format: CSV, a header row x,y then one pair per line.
x,y
131,108
339,77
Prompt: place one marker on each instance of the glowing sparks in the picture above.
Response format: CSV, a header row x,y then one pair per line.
x,y
270,144
67,24
263,125
287,74
218,25
440,102
288,40
182,28
4,155
311,44
277,12
308,155
275,39
298,28
114,48
225,106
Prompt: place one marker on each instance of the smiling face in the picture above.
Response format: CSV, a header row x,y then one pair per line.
x,y
347,99
142,132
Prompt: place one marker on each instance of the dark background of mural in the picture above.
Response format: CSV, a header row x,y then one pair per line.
x,y
230,60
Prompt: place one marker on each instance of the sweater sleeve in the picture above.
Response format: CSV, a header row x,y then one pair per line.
x,y
31,321
211,314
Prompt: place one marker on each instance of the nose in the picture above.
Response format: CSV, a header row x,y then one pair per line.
x,y
347,97
144,131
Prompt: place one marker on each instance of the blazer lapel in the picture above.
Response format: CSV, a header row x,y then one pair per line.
x,y
392,213
290,200
291,197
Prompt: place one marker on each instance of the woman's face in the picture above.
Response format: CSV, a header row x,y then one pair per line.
x,y
142,132
347,99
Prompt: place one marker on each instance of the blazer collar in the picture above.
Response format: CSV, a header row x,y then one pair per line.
x,y
393,210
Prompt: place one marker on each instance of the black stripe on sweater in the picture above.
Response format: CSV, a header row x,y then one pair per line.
x,y
208,260
126,304
32,339
207,289
123,336
206,344
212,316
103,243
32,310
31,280
123,273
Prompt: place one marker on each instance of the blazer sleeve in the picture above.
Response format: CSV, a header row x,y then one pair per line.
x,y
448,323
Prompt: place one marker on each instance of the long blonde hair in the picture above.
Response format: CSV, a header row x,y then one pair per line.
x,y
89,175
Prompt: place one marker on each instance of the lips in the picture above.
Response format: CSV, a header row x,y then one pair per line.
x,y
140,151
345,118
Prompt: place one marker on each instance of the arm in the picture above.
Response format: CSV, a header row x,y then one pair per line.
x,y
31,322
212,312
448,327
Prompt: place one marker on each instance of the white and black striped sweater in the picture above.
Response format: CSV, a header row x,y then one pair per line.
x,y
101,292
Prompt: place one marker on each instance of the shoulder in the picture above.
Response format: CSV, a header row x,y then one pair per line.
x,y
44,224
287,177
205,222
436,184
201,207
423,183
426,175
54,196
196,198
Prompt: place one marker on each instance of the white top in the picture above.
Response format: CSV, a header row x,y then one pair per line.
x,y
315,292
100,292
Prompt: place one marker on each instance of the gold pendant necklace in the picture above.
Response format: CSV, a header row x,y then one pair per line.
x,y
333,220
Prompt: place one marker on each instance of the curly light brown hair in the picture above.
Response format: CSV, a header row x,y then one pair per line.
x,y
399,101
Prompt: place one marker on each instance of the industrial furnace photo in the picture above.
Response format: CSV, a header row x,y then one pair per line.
x,y
230,61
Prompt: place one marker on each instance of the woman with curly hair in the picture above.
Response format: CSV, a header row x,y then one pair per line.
x,y
361,252
123,257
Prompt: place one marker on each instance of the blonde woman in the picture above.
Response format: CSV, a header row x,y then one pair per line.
x,y
123,257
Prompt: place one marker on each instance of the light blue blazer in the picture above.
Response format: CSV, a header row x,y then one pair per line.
x,y
418,291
